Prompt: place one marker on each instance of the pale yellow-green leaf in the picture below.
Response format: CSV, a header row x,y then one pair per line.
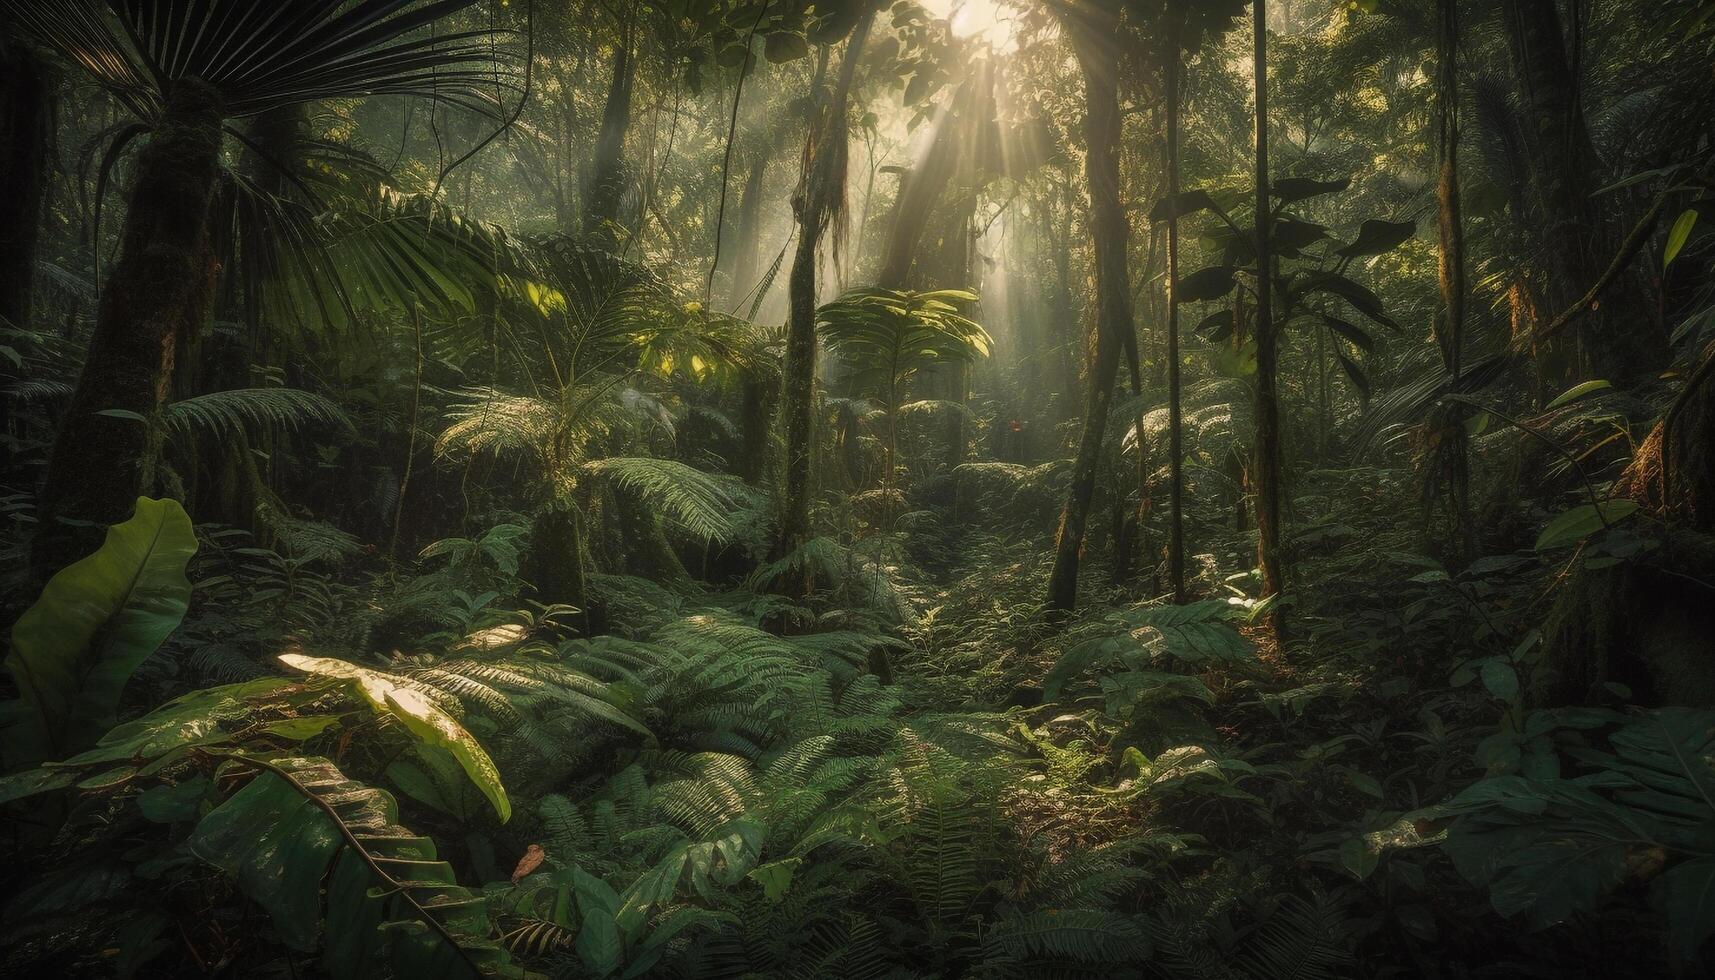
x,y
421,717
1679,235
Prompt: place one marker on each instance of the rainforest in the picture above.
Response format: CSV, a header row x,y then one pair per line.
x,y
857,489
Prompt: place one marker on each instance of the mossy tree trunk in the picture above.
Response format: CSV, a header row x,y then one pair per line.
x,y
557,558
108,444
1451,458
1269,473
1562,163
1109,231
605,190
820,202
1175,421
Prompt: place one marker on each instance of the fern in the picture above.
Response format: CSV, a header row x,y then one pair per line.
x,y
706,505
251,411
1305,939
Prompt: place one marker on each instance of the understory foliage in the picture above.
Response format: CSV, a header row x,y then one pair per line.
x,y
464,626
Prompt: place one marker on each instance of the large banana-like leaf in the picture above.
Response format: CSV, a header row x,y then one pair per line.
x,y
325,856
97,620
421,717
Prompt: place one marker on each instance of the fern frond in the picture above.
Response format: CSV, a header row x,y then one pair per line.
x,y
227,414
710,506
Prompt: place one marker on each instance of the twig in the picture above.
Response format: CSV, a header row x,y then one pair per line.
x,y
1634,243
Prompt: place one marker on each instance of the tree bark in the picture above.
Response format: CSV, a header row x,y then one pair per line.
x,y
160,287
606,187
26,119
1561,162
919,192
1269,476
823,188
1109,230
761,392
747,234
557,558
1175,446
1451,458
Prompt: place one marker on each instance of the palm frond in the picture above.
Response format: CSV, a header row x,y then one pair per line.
x,y
262,56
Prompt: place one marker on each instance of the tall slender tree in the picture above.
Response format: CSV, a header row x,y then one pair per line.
x,y
1093,31
1268,475
605,190
819,203
1576,237
1175,422
1450,460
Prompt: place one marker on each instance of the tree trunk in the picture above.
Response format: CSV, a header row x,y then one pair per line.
x,y
920,191
1175,446
1109,231
821,200
557,558
606,187
1561,162
1451,458
747,234
25,134
760,393
1269,475
160,287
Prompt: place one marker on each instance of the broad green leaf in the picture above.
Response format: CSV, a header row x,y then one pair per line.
x,y
191,719
784,46
1350,332
1500,679
1357,857
421,717
1291,234
599,944
1217,326
1678,235
1206,284
1576,392
286,837
278,844
98,620
1362,299
173,803
438,728
1290,189
30,782
1670,756
1196,632
1579,523
1376,236
775,877
1551,879
1188,202
1686,893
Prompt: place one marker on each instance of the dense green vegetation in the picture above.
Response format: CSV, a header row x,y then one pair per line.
x,y
858,489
